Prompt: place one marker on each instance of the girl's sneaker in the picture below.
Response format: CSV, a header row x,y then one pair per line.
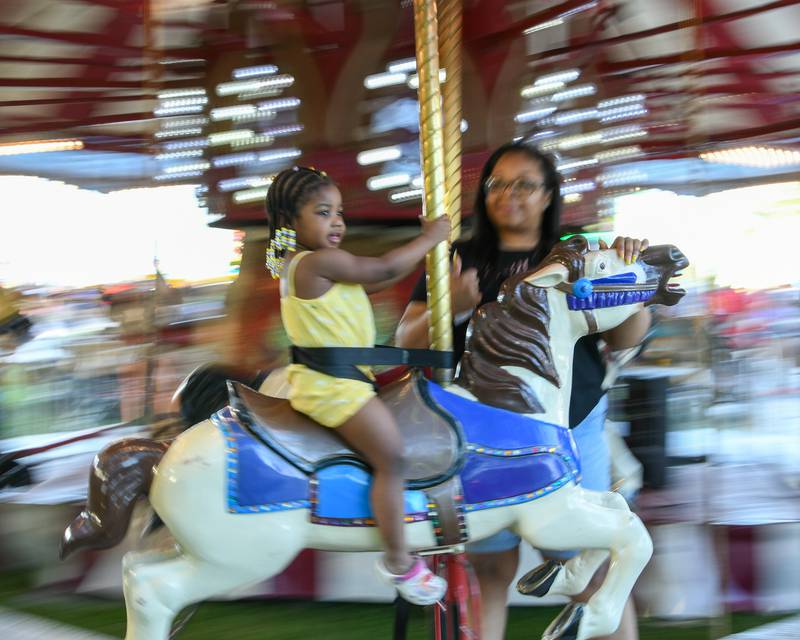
x,y
418,585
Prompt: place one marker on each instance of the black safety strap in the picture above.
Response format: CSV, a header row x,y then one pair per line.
x,y
340,362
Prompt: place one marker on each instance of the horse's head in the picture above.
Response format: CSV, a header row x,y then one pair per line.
x,y
603,287
525,335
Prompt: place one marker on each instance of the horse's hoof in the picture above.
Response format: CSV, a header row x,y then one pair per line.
x,y
537,582
80,533
566,625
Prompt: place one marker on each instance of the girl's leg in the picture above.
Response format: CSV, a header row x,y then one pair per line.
x,y
373,432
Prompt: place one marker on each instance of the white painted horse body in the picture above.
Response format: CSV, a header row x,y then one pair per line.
x,y
218,551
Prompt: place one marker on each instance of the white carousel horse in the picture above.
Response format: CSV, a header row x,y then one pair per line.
x,y
519,359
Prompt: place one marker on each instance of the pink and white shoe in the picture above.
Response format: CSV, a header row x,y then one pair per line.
x,y
418,585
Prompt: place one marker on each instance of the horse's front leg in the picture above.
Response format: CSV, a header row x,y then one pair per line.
x,y
573,576
571,519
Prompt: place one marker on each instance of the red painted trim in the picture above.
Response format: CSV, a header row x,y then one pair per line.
x,y
70,37
708,54
83,97
510,32
65,125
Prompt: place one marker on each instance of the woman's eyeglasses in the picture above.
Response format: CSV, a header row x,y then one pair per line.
x,y
520,188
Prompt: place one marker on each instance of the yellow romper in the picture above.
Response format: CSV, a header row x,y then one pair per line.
x,y
340,317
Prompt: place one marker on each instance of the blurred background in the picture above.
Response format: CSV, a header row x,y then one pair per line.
x,y
138,139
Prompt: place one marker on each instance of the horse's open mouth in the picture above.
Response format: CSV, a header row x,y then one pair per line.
x,y
662,263
674,287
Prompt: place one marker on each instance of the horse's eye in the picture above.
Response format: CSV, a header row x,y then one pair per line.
x,y
602,266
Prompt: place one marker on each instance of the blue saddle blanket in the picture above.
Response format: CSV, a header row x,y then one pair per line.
x,y
509,458
258,479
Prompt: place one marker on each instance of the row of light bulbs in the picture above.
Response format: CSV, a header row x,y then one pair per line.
x,y
754,156
548,92
258,88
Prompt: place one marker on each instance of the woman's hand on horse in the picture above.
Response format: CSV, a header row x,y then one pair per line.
x,y
464,287
438,229
627,248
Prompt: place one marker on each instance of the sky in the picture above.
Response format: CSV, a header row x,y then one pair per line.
x,y
54,234
742,238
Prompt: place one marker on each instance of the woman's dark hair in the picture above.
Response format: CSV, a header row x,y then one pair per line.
x,y
485,241
289,191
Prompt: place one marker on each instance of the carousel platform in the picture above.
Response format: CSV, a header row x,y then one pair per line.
x,y
787,629
21,626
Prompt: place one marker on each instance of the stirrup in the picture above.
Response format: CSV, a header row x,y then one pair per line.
x,y
537,581
419,585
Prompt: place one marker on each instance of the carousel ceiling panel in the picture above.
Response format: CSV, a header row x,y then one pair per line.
x,y
68,16
786,62
780,24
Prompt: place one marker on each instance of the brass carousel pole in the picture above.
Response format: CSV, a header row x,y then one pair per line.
x,y
430,131
450,59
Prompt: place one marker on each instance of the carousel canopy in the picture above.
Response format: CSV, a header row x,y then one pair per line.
x,y
112,94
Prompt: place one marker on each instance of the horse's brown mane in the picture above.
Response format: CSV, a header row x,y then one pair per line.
x,y
514,331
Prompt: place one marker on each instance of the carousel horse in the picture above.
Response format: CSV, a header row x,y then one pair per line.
x,y
246,490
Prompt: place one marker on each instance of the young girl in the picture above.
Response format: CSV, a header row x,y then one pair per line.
x,y
324,303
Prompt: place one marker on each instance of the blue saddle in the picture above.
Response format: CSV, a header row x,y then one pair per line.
x,y
506,458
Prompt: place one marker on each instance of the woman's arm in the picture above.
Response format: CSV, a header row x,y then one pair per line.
x,y
465,294
412,331
629,333
634,329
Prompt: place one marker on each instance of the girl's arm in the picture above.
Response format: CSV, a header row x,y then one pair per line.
x,y
336,265
384,284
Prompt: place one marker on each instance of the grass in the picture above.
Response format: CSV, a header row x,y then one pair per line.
x,y
296,620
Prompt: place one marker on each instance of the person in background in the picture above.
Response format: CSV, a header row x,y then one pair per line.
x,y
14,327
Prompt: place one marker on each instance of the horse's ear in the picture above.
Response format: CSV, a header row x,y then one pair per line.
x,y
548,276
576,243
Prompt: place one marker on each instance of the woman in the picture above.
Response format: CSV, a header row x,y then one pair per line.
x,y
517,221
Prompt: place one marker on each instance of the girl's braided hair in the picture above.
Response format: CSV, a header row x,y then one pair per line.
x,y
289,191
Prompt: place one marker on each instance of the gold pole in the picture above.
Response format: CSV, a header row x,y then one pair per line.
x,y
450,54
437,261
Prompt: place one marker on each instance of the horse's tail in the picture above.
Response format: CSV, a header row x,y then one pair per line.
x,y
205,390
121,473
